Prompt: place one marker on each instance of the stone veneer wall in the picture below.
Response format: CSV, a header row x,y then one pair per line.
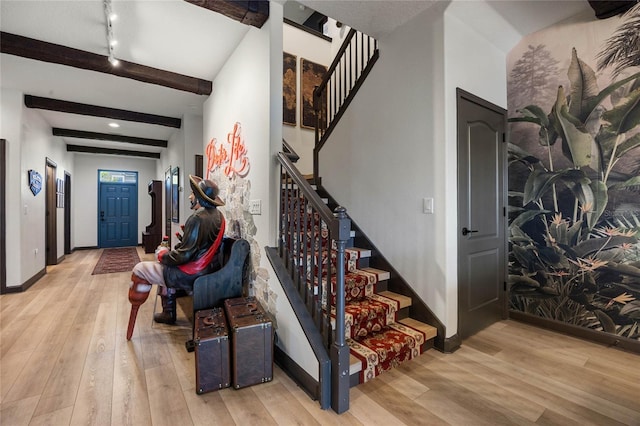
x,y
236,193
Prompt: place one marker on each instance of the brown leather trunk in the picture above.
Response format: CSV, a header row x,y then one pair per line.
x,y
251,332
211,338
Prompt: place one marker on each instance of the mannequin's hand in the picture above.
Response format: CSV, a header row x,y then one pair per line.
x,y
160,251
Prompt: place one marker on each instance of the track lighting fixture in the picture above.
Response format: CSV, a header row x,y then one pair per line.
x,y
110,16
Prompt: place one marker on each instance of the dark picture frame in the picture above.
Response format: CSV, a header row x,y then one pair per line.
x,y
289,88
59,193
175,195
167,201
312,75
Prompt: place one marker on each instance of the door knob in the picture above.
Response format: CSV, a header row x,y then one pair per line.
x,y
466,231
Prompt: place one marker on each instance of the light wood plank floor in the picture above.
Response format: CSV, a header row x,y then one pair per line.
x,y
65,361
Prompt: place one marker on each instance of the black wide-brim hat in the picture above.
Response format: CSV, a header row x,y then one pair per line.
x,y
206,191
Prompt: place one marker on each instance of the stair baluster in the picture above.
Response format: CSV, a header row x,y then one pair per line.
x,y
307,229
340,84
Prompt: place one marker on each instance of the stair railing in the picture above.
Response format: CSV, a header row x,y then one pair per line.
x,y
353,62
290,152
308,232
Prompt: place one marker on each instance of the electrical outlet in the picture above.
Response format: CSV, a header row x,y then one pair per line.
x,y
255,206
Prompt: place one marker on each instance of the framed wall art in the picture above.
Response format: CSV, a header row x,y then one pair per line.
x,y
312,75
167,201
175,195
59,193
289,88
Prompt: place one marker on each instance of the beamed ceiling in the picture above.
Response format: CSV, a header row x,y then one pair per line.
x,y
170,51
56,53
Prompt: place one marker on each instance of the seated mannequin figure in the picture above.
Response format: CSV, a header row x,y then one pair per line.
x,y
193,256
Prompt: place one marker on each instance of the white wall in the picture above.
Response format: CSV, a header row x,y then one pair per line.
x,y
397,145
382,157
465,50
11,125
248,90
29,145
84,192
38,144
315,49
180,152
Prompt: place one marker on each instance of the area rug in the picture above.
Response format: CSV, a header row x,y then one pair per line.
x,y
116,260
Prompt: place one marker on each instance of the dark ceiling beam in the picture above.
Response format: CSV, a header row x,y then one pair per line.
x,y
606,9
48,52
254,13
81,134
96,150
98,111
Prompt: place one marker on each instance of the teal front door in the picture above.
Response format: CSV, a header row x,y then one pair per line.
x,y
118,215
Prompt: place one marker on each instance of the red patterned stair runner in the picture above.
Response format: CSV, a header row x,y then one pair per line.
x,y
368,315
382,351
373,335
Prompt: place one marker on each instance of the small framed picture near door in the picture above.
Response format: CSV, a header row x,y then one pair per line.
x,y
289,86
175,195
312,75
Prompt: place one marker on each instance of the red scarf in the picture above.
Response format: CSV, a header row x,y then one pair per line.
x,y
198,265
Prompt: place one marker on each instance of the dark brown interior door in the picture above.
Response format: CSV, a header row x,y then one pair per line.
x,y
3,215
51,222
67,213
481,214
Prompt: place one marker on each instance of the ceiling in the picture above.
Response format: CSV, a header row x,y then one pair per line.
x,y
182,38
169,35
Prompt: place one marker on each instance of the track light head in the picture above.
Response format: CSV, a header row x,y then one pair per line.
x,y
114,62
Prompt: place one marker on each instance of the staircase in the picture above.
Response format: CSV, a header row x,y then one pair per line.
x,y
379,332
365,327
357,327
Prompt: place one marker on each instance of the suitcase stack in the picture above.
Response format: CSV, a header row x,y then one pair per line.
x,y
211,338
251,333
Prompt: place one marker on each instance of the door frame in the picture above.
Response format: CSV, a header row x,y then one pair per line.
x,y
466,96
99,194
3,221
67,213
51,220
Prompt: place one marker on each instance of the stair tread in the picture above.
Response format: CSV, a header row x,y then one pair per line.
x,y
382,275
404,301
360,252
290,185
355,365
429,331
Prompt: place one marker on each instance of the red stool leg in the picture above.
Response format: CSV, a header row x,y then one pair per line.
x,y
137,298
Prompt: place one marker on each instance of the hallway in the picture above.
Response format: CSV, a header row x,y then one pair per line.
x,y
65,360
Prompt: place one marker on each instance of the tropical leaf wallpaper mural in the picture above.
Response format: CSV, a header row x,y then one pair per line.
x,y
574,174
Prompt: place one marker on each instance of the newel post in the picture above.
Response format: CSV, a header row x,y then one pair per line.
x,y
339,349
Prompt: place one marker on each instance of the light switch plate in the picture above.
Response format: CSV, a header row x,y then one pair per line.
x,y
427,205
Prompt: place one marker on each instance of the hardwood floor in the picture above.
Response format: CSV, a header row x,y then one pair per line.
x,y
65,361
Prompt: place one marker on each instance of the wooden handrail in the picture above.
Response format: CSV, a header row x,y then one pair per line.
x,y
301,245
336,60
352,64
290,152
